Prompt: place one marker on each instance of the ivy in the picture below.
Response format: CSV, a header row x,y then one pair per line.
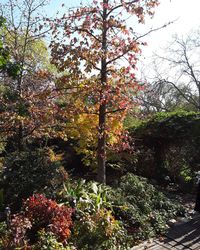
x,y
169,125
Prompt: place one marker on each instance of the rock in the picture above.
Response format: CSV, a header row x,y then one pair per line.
x,y
171,222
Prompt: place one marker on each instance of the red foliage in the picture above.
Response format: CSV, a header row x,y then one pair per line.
x,y
61,223
46,213
101,63
39,209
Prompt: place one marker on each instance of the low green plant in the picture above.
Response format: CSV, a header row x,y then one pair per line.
x,y
100,231
186,173
95,226
138,211
147,209
88,196
3,236
48,241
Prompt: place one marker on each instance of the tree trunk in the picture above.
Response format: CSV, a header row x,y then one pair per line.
x,y
198,96
101,151
101,147
19,136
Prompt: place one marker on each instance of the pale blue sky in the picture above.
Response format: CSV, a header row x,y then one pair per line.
x,y
55,5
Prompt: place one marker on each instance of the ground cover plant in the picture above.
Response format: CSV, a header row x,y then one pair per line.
x,y
88,215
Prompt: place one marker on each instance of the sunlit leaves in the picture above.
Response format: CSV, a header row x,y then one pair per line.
x,y
99,50
79,48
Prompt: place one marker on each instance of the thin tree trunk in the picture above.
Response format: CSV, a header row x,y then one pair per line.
x,y
198,96
101,151
101,147
21,75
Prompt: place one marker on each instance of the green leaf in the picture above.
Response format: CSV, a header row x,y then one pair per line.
x,y
94,188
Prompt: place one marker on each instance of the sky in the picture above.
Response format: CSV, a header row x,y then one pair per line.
x,y
186,14
186,18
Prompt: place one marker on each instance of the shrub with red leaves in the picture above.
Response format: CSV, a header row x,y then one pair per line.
x,y
39,210
61,223
38,213
46,213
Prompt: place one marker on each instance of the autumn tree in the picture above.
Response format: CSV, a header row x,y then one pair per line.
x,y
23,32
99,48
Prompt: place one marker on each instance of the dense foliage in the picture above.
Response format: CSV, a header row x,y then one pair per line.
x,y
38,213
169,144
169,125
28,172
139,209
103,217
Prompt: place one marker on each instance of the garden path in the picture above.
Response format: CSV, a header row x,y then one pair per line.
x,y
182,235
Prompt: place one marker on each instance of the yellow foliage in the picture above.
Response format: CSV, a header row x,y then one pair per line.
x,y
84,128
54,157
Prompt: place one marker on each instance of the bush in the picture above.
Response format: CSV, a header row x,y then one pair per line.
x,y
45,213
99,230
19,226
3,236
95,226
29,172
104,218
167,143
48,241
39,213
136,208
143,208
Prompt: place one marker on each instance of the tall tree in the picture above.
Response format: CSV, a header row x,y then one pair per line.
x,y
24,21
99,49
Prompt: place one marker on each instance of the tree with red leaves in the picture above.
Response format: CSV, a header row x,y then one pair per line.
x,y
99,51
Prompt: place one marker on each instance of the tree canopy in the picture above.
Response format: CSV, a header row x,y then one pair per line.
x,y
99,50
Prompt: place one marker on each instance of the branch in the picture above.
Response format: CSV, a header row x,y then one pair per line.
x,y
192,74
187,98
88,32
120,6
153,30
115,111
89,62
118,57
